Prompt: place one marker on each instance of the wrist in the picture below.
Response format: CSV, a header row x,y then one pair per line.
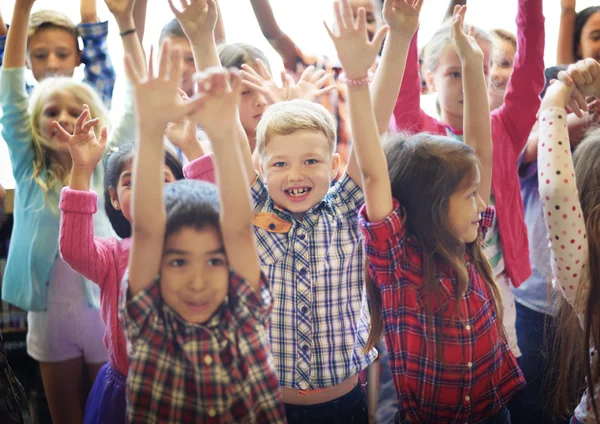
x,y
568,10
192,150
80,177
125,23
402,35
356,79
201,39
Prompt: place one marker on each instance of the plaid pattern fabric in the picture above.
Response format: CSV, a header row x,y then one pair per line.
x,y
479,373
99,71
320,320
217,372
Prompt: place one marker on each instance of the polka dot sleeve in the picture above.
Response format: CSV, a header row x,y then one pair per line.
x,y
562,210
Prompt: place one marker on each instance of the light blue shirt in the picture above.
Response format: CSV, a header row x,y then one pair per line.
x,y
536,292
34,241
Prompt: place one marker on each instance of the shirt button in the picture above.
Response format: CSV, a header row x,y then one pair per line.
x,y
468,328
212,412
301,236
208,360
304,310
305,348
272,226
467,398
302,272
470,364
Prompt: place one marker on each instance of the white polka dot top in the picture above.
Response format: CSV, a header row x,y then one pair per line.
x,y
564,222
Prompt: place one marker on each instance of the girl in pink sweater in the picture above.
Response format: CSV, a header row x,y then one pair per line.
x,y
506,242
102,260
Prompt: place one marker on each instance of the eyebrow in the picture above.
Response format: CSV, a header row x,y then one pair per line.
x,y
220,250
126,174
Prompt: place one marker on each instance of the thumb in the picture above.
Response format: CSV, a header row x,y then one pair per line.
x,y
103,137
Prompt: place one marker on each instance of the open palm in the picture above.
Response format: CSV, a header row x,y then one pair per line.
x,y
86,150
402,15
465,44
197,17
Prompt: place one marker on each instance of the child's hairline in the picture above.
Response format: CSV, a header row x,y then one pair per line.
x,y
263,145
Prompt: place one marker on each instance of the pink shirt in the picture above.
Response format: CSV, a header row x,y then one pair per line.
x,y
101,260
201,169
511,124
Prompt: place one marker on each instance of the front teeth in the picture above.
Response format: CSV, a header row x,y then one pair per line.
x,y
298,191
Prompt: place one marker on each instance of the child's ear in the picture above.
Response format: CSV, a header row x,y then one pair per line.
x,y
261,170
430,81
78,59
114,199
335,165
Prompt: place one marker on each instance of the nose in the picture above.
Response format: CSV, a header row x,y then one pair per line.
x,y
295,174
260,100
53,62
481,206
197,283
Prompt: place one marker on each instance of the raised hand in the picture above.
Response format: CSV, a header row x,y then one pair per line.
x,y
466,45
568,4
86,151
355,51
221,90
157,99
121,9
583,80
311,85
197,18
402,16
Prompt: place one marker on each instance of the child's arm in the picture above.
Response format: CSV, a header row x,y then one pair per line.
x,y
123,11
88,12
558,191
402,18
3,29
477,128
367,162
16,42
139,18
91,257
220,36
565,53
522,99
157,105
278,39
232,178
198,19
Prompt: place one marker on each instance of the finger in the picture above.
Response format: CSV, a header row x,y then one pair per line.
x,y
307,74
418,4
235,81
255,87
182,94
585,73
360,23
130,71
379,37
347,17
339,19
195,104
175,68
324,80
219,81
285,82
317,75
175,11
580,99
325,90
262,70
164,60
89,124
249,69
151,63
103,137
329,32
252,78
63,135
81,119
289,82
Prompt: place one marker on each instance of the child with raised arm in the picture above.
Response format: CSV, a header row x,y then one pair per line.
x,y
432,290
195,305
578,33
569,191
53,47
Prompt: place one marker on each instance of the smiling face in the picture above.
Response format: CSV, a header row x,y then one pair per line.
x,y
298,169
464,211
589,44
63,107
194,273
121,196
502,65
52,52
446,80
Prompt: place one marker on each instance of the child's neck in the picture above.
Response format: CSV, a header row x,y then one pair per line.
x,y
452,120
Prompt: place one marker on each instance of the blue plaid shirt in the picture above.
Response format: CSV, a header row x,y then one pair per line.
x,y
99,71
320,319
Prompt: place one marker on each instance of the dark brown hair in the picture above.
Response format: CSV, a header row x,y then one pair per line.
x,y
234,55
587,174
425,170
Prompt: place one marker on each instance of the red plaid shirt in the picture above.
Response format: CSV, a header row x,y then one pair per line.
x,y
479,373
217,372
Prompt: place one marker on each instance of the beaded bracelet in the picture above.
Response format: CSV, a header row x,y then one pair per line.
x,y
356,82
129,31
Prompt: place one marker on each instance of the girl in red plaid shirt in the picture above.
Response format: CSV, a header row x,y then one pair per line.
x,y
432,290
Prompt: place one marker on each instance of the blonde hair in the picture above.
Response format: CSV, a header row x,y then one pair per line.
x,y
51,19
504,35
285,118
49,174
441,39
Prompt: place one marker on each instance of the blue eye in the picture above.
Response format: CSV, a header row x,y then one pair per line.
x,y
311,161
455,75
279,164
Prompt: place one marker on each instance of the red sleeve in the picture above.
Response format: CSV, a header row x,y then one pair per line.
x,y
90,256
522,100
201,169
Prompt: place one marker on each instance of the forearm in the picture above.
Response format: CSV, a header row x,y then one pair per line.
x,y
204,50
139,17
148,210
192,150
565,54
80,178
131,42
388,78
476,120
220,36
88,11
16,43
3,29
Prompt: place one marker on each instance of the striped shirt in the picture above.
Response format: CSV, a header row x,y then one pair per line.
x,y
320,318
